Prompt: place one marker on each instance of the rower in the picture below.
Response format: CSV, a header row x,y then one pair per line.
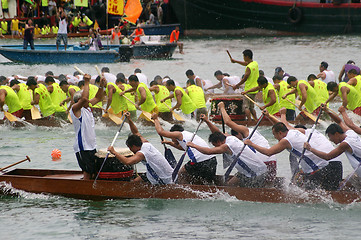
x,y
307,95
145,99
83,121
348,121
9,97
25,97
159,172
70,90
122,82
225,82
242,132
57,97
319,86
196,94
250,80
42,97
354,79
115,100
252,171
201,167
204,84
282,88
326,75
93,89
316,171
184,102
348,142
270,96
351,98
161,92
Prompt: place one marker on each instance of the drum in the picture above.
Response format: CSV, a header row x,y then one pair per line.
x,y
232,104
113,169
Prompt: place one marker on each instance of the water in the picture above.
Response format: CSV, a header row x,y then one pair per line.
x,y
39,216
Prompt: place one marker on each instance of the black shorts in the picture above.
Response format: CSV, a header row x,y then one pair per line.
x,y
6,10
206,169
86,161
327,178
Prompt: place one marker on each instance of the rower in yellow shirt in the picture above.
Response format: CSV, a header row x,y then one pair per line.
x,y
42,97
281,87
57,96
69,90
196,94
97,109
25,96
161,92
351,97
131,95
319,86
9,97
117,103
269,96
184,102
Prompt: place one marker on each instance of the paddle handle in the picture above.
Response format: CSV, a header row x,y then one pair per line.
x,y
343,184
26,159
78,69
230,168
271,116
98,70
129,100
229,55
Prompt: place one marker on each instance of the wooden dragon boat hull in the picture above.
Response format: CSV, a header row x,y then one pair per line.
x,y
58,182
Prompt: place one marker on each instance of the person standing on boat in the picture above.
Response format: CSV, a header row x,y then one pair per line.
x,y
196,94
42,97
326,75
250,80
174,38
29,35
346,68
307,94
242,132
184,102
351,97
282,88
159,172
316,171
252,171
201,167
161,92
83,121
63,29
348,142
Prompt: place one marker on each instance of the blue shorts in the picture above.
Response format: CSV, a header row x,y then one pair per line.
x,y
61,36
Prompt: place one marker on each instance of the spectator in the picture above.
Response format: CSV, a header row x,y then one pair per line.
x,y
5,7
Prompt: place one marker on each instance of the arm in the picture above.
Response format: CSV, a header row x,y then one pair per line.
x,y
321,75
251,90
303,95
341,148
352,81
293,91
136,158
228,121
178,95
100,93
50,88
143,96
348,121
111,90
169,97
2,98
218,85
344,92
331,97
36,99
273,100
209,151
164,133
84,97
239,62
199,82
244,79
211,126
134,128
341,73
279,147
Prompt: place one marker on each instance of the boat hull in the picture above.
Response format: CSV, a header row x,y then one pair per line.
x,y
47,54
57,182
285,16
155,51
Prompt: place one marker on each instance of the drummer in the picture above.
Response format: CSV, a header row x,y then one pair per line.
x,y
159,172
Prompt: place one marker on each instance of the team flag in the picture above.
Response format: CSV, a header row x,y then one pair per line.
x,y
133,9
116,7
81,3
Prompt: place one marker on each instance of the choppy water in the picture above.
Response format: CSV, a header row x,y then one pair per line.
x,y
36,216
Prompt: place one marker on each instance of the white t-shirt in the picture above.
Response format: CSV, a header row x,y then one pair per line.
x,y
258,139
142,78
354,141
330,76
85,138
63,26
158,163
110,77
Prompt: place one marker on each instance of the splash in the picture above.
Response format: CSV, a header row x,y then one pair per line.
x,y
7,189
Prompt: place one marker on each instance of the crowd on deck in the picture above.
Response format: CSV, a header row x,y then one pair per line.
x,y
255,161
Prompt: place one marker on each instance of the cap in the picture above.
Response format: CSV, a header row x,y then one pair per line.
x,y
278,69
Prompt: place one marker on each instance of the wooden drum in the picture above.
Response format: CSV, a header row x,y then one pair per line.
x,y
113,169
232,104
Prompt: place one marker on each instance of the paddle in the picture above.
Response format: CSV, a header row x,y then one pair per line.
x,y
146,115
226,160
276,119
343,183
117,120
78,69
26,159
179,164
235,159
10,117
35,114
175,115
106,157
168,154
229,55
308,140
309,115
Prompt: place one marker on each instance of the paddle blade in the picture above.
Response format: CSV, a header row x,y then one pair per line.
x,y
10,117
178,117
35,113
170,157
146,116
117,120
176,169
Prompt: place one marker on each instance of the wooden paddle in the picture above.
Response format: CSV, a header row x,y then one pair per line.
x,y
276,119
26,159
309,115
106,157
179,164
329,109
235,159
78,69
175,115
35,113
229,55
116,119
145,115
10,117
